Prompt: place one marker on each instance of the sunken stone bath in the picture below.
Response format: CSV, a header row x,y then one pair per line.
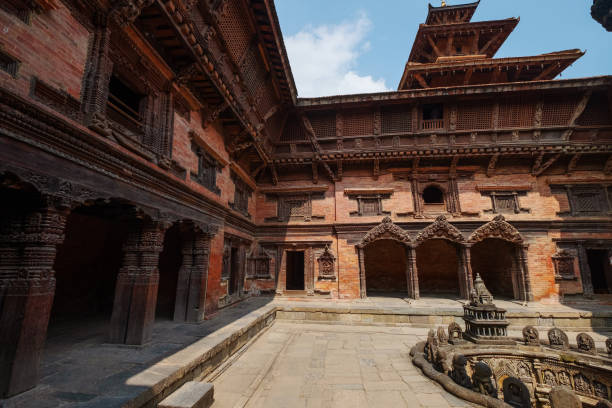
x,y
485,366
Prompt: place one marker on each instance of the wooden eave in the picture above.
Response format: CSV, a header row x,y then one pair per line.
x,y
416,95
537,65
469,8
488,30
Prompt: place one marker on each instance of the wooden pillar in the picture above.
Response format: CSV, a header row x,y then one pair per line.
x,y
137,283
362,279
309,271
193,277
585,271
524,281
466,280
412,274
28,245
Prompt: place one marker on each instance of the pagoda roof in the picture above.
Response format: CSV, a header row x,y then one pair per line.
x,y
530,68
460,13
492,34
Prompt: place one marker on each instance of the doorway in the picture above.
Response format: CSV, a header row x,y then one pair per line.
x,y
600,270
438,268
385,268
295,270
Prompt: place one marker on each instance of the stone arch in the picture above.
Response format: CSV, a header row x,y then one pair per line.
x,y
499,235
440,259
498,228
387,230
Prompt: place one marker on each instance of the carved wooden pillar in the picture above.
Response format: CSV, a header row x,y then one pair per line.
x,y
28,244
137,283
309,269
362,279
412,273
413,282
524,279
193,277
585,271
418,209
466,281
97,75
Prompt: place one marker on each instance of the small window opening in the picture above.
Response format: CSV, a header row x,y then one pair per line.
x,y
432,112
433,195
123,99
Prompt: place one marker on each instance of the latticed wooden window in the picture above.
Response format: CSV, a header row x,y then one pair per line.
x,y
597,112
242,192
207,170
324,124
358,123
250,69
587,199
505,203
294,207
234,29
370,206
516,113
473,116
8,64
293,131
396,120
558,112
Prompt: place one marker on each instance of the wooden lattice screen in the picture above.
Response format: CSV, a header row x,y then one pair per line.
x,y
324,124
516,113
597,112
558,111
396,119
293,131
234,30
358,123
474,116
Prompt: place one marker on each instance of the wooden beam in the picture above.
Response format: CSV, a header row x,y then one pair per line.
x,y
608,166
547,71
339,165
256,172
376,171
489,43
421,81
433,46
580,107
274,173
453,166
572,164
539,168
468,76
492,163
315,172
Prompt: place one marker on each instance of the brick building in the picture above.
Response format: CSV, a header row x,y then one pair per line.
x,y
156,161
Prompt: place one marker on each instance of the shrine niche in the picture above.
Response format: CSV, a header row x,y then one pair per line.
x,y
564,262
259,265
327,265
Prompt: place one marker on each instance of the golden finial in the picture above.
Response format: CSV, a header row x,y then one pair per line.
x,y
443,3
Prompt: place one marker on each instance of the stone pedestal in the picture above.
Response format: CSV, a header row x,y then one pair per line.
x,y
27,286
137,283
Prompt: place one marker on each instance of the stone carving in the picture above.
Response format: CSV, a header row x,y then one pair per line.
x,y
459,373
549,378
442,363
455,334
558,339
563,397
498,228
600,390
480,294
604,404
516,393
387,229
482,381
531,336
523,370
431,346
586,344
326,261
440,228
442,337
582,384
609,345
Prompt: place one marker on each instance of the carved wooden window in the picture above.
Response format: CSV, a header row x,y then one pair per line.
x,y
557,111
369,205
242,193
358,123
9,64
258,265
293,131
235,29
564,262
474,116
324,124
506,202
57,99
597,112
327,270
124,105
516,113
433,195
585,200
208,168
19,8
432,116
295,207
396,119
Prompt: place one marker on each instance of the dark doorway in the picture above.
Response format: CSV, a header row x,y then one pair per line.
x,y
385,268
600,270
438,266
295,270
494,260
170,260
234,270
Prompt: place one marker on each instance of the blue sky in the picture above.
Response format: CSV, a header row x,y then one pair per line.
x,y
352,46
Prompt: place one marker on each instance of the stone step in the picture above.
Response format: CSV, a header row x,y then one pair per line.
x,y
192,394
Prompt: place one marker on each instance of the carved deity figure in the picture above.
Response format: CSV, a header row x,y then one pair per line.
x,y
531,336
609,345
442,363
480,294
516,393
558,339
431,346
459,373
442,337
586,344
482,381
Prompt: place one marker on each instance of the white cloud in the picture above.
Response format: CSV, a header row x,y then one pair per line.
x,y
323,59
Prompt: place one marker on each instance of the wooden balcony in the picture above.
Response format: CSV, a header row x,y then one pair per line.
x,y
432,124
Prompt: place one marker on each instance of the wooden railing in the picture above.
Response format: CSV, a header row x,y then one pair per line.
x,y
432,124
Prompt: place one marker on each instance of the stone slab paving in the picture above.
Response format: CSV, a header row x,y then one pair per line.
x,y
319,365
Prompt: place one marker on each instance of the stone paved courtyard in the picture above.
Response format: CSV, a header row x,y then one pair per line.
x,y
318,365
